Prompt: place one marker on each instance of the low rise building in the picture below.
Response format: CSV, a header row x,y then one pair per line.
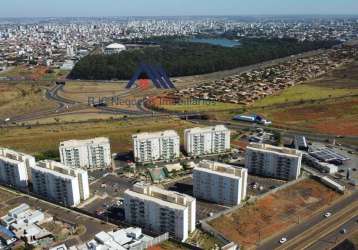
x,y
92,153
61,183
219,183
114,48
271,161
209,140
14,167
156,146
160,210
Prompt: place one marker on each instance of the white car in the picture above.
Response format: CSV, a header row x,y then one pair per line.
x,y
328,214
283,240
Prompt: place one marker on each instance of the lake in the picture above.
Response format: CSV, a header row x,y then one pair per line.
x,y
216,41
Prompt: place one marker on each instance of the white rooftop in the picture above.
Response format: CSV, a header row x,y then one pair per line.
x,y
75,143
274,149
116,46
147,135
207,129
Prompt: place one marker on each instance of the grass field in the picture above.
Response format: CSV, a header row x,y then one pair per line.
x,y
305,92
43,138
80,116
328,105
274,212
19,99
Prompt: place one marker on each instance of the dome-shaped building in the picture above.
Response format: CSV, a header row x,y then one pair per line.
x,y
114,48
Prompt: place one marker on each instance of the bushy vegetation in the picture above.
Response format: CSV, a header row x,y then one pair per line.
x,y
182,58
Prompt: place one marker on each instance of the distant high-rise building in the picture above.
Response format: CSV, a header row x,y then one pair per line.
x,y
14,167
160,210
220,183
157,146
61,183
92,153
209,140
277,162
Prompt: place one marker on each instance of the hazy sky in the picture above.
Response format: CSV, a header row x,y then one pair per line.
x,y
49,8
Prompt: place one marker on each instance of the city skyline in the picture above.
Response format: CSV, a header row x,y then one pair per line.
x,y
81,8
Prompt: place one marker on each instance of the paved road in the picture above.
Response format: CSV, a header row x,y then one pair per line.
x,y
299,229
335,237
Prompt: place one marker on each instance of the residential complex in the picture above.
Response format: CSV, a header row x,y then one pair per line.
x,y
61,183
14,167
160,210
277,162
209,140
220,183
92,153
156,146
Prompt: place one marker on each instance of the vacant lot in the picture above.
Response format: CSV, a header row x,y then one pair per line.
x,y
47,137
274,212
328,105
19,99
339,117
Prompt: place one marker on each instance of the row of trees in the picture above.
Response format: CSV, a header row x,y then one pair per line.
x,y
181,58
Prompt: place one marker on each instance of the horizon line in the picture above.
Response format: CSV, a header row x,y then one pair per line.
x,y
194,15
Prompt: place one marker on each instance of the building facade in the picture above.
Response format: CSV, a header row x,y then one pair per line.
x,y
61,183
157,146
14,167
220,183
209,140
92,153
277,162
160,210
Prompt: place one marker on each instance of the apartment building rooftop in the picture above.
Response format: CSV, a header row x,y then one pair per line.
x,y
13,155
164,197
220,169
58,168
275,149
74,143
148,135
207,129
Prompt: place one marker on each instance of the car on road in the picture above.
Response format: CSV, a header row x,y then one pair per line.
x,y
283,240
343,231
328,214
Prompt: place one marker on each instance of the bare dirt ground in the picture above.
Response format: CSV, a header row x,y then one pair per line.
x,y
274,212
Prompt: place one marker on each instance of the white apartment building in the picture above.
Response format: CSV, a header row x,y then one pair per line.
x,y
209,140
61,183
14,167
220,183
277,162
92,153
164,145
160,210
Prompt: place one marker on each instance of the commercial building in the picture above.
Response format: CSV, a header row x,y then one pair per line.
x,y
61,183
209,140
14,167
219,183
277,162
92,153
156,146
160,210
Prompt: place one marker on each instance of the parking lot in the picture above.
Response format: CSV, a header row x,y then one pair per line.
x,y
257,185
351,164
112,185
203,208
